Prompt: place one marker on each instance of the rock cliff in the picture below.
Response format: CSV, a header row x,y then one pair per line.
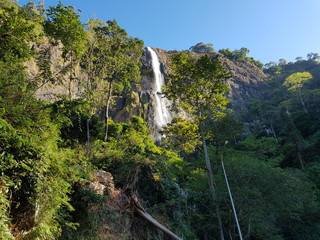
x,y
247,83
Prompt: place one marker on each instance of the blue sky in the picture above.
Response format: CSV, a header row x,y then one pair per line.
x,y
270,29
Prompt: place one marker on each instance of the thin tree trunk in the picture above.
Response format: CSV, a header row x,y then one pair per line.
x,y
273,132
297,137
302,102
70,78
211,184
247,236
89,96
107,111
300,157
69,89
230,235
88,137
219,221
231,198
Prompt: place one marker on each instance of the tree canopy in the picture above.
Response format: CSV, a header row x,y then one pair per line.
x,y
202,48
296,80
197,84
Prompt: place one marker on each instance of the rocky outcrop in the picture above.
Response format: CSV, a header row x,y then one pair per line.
x,y
247,83
141,101
120,212
102,183
111,222
52,73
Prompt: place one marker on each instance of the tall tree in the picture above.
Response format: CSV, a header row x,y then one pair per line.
x,y
197,85
112,62
64,24
16,33
295,82
313,56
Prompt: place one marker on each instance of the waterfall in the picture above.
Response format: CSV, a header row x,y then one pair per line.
x,y
162,114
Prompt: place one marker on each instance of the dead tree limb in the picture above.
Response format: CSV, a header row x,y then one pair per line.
x,y
146,216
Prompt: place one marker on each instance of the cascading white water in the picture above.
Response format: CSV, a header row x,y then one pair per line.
x,y
162,113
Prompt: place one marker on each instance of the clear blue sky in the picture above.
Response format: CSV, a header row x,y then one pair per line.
x,y
270,29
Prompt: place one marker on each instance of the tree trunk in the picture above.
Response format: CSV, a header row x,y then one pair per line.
x,y
211,184
231,198
297,137
107,111
88,138
247,236
302,102
69,89
70,78
230,234
142,213
273,133
299,150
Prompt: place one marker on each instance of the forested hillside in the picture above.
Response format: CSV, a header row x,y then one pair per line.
x,y
68,170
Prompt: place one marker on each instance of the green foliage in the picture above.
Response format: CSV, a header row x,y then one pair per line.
x,y
87,222
18,110
41,176
36,174
16,91
181,136
202,48
267,198
16,33
112,63
130,147
271,202
64,24
288,136
313,171
296,80
112,55
72,117
34,14
265,149
8,3
224,130
290,117
42,155
138,165
240,54
313,56
236,54
227,53
199,84
6,161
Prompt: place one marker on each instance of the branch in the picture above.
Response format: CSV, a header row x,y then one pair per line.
x,y
142,212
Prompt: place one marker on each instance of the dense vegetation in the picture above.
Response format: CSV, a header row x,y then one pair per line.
x,y
49,150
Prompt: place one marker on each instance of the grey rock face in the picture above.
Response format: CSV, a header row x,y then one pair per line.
x,y
247,83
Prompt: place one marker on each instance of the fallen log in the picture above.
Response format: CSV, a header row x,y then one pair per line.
x,y
146,216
